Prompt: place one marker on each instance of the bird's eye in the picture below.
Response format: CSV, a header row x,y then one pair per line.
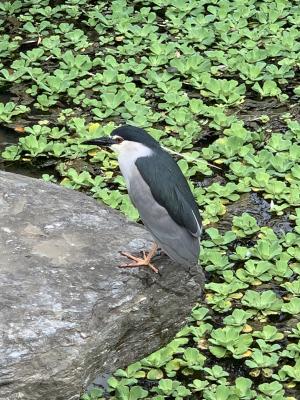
x,y
118,139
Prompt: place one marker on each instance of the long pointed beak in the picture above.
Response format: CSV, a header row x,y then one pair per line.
x,y
104,141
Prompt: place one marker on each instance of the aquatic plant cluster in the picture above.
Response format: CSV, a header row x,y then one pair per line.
x,y
216,83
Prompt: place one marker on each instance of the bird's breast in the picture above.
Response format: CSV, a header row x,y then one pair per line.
x,y
128,169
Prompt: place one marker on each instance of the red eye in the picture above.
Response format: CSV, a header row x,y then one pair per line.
x,y
118,139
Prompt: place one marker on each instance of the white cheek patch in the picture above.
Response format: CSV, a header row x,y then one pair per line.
x,y
122,147
134,150
115,148
131,149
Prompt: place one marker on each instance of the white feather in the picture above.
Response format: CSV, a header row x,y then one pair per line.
x,y
128,152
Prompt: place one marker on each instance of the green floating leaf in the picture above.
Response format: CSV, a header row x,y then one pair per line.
x,y
293,307
155,374
269,333
267,302
228,340
244,225
130,393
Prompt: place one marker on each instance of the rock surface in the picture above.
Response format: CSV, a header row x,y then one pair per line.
x,y
67,312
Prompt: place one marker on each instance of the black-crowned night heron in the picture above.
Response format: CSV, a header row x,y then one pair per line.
x,y
160,192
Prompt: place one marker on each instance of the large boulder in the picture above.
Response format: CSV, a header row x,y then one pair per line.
x,y
67,312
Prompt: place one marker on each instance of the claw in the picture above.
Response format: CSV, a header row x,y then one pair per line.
x,y
139,262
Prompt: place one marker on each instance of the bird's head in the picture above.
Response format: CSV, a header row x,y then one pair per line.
x,y
125,138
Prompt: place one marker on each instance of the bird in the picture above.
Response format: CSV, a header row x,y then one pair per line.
x,y
161,194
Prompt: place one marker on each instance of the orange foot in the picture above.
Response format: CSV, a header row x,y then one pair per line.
x,y
139,262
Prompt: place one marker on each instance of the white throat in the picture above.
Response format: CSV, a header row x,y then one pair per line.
x,y
128,152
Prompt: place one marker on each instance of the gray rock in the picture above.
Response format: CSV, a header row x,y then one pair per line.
x,y
67,312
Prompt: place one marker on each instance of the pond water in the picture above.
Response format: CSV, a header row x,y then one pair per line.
x,y
8,137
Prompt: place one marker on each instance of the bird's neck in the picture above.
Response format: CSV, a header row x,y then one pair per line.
x,y
128,156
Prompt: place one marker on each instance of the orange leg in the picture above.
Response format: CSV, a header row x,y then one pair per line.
x,y
139,262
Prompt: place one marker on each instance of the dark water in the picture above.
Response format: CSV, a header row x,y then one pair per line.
x,y
9,137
